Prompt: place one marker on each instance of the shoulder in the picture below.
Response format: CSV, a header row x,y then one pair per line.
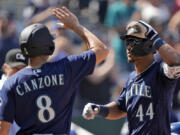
x,y
75,57
11,81
53,63
3,79
85,55
75,60
158,63
132,75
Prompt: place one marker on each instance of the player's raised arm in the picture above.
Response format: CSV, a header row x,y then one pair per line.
x,y
169,55
70,21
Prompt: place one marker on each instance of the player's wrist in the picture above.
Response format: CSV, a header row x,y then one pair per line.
x,y
77,27
158,42
102,110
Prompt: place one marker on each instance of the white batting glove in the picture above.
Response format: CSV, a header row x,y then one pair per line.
x,y
90,110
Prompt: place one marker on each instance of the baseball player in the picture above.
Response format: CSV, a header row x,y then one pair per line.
x,y
40,97
147,95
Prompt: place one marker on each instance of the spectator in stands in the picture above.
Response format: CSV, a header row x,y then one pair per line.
x,y
154,9
118,14
8,35
35,6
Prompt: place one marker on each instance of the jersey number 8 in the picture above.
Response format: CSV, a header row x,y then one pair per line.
x,y
44,105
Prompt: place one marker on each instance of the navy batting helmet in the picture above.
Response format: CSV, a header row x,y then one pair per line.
x,y
175,128
135,36
36,40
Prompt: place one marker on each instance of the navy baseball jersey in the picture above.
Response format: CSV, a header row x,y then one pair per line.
x,y
147,99
40,100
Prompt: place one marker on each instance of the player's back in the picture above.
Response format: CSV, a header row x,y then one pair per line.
x,y
42,98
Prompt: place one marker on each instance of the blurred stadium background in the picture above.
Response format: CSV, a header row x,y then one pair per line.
x,y
106,19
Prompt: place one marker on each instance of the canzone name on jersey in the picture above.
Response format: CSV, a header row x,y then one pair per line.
x,y
147,99
41,100
40,83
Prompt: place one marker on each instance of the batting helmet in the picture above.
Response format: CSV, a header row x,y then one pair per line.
x,y
135,36
36,40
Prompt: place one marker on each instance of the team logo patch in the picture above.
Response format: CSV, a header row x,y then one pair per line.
x,y
36,71
20,56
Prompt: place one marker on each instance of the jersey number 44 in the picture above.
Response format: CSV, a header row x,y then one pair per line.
x,y
142,113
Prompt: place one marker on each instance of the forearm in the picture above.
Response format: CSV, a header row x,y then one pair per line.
x,y
92,42
2,132
70,21
109,111
101,71
4,127
114,112
169,55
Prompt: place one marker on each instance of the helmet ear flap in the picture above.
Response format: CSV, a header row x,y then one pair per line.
x,y
148,46
24,49
51,48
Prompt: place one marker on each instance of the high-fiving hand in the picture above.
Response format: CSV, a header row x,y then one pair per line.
x,y
68,19
90,110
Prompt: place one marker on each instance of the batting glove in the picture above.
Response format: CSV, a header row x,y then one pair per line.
x,y
152,35
90,110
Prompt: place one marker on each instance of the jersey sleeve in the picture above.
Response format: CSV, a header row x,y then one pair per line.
x,y
7,104
170,72
82,64
121,100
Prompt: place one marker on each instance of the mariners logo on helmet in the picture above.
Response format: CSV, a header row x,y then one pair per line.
x,y
36,40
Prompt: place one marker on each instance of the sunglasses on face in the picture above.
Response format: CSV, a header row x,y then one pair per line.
x,y
133,41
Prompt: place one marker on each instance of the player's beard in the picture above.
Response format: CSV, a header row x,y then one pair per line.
x,y
130,56
131,60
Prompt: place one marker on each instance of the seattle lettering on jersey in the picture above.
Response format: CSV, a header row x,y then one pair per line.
x,y
138,90
40,83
